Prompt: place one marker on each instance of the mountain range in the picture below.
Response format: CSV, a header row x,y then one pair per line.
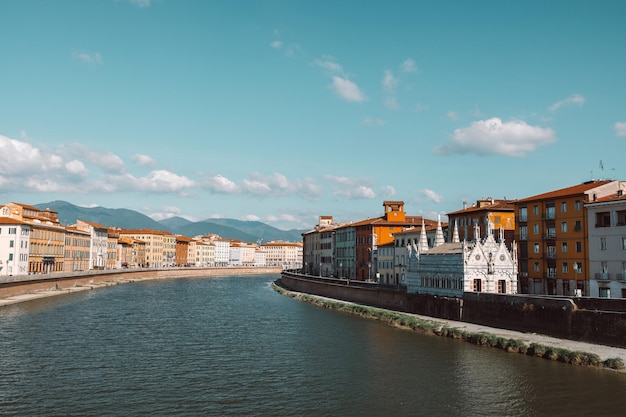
x,y
248,231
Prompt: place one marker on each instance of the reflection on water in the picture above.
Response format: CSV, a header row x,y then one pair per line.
x,y
234,347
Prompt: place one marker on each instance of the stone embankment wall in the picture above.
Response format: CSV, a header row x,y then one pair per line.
x,y
588,320
26,284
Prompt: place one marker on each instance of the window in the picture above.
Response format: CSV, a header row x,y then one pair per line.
x,y
523,214
603,219
536,229
579,247
536,248
477,285
550,212
564,227
564,268
577,205
12,230
497,220
564,207
523,232
537,268
10,256
502,286
536,210
623,243
621,217
603,243
564,247
577,226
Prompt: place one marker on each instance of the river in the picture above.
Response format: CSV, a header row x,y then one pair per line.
x,y
232,346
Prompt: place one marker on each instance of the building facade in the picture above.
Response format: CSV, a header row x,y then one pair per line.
x,y
450,269
607,246
552,235
14,246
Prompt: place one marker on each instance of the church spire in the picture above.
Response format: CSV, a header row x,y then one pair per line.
x,y
455,235
423,245
439,240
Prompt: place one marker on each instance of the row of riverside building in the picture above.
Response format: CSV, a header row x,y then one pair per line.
x,y
566,242
33,241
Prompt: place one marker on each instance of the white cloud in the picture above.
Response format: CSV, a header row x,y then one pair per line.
x,y
347,90
452,115
392,103
493,137
620,129
389,81
276,44
279,185
350,188
388,191
77,168
161,181
431,195
371,121
408,66
106,161
90,58
143,160
221,184
328,63
575,99
250,218
168,212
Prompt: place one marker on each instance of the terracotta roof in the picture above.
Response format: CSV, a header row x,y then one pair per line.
x,y
94,224
578,189
144,232
10,220
498,205
610,198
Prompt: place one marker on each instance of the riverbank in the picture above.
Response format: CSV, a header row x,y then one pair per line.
x,y
532,344
36,287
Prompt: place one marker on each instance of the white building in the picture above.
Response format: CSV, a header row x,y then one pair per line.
x,y
404,240
607,246
14,246
99,239
287,255
450,269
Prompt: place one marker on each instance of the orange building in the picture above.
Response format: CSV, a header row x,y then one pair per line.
x,y
379,231
182,251
552,238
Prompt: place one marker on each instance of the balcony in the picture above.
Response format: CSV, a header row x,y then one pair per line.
x,y
550,234
602,276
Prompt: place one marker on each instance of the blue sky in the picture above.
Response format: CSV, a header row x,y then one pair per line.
x,y
282,111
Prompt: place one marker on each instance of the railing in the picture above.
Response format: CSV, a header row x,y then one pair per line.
x,y
602,276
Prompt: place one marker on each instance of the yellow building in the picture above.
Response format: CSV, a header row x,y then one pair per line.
x,y
499,213
160,246
77,246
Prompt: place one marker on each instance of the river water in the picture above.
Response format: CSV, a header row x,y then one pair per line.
x,y
234,347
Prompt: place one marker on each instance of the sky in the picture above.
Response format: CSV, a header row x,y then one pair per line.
x,y
283,111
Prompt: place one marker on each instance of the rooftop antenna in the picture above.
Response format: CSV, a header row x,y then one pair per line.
x,y
602,169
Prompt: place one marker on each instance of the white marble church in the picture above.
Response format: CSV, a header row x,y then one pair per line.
x,y
450,269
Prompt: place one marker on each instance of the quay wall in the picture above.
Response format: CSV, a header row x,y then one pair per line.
x,y
26,284
562,317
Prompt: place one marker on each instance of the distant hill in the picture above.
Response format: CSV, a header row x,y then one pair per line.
x,y
122,218
247,231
